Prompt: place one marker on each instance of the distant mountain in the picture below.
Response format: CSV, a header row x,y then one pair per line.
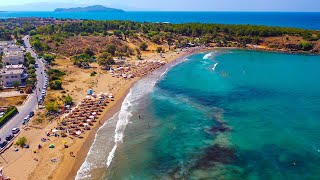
x,y
96,8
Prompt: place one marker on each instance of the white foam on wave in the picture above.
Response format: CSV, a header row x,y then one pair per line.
x,y
91,162
124,115
207,56
214,66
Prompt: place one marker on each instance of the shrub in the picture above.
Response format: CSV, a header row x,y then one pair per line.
x,y
93,73
89,52
21,141
143,46
16,84
52,107
111,48
68,100
155,39
55,74
306,46
56,85
159,49
11,111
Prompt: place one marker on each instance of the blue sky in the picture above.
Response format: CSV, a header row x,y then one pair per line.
x,y
172,5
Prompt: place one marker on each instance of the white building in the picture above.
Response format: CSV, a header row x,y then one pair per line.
x,y
4,45
13,57
13,73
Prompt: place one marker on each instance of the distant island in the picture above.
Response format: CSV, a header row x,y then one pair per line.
x,y
96,8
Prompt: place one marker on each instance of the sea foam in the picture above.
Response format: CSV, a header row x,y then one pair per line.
x,y
207,56
214,66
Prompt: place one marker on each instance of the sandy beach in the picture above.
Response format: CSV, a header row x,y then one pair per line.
x,y
58,163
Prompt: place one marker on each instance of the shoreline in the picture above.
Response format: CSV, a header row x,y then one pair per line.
x,y
61,172
83,152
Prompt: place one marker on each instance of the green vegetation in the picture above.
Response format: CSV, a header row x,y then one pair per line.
x,y
82,60
68,100
143,46
21,141
89,52
93,73
55,74
16,84
105,60
159,49
30,64
173,34
49,58
306,46
111,48
38,44
56,85
11,111
52,107
55,79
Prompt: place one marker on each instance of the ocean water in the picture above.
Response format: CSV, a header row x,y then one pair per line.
x,y
224,114
283,19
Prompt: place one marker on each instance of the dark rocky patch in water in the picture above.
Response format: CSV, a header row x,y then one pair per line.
x,y
219,129
216,154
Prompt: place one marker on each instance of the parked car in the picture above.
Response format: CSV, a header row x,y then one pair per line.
x,y
9,137
26,120
31,114
26,146
36,65
15,130
3,144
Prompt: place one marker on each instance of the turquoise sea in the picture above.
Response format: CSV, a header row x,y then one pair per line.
x,y
284,19
223,114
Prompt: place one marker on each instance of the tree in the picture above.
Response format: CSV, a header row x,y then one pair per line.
x,y
89,52
143,46
49,58
155,39
111,48
159,49
21,141
52,107
118,33
306,46
68,100
56,85
169,41
138,53
105,60
16,84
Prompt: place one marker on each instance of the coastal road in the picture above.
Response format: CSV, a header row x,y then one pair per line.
x,y
32,102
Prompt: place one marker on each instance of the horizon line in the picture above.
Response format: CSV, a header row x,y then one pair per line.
x,y
184,11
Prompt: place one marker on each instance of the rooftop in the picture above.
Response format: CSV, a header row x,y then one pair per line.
x,y
11,71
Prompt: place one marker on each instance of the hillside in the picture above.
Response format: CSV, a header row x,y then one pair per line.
x,y
96,8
